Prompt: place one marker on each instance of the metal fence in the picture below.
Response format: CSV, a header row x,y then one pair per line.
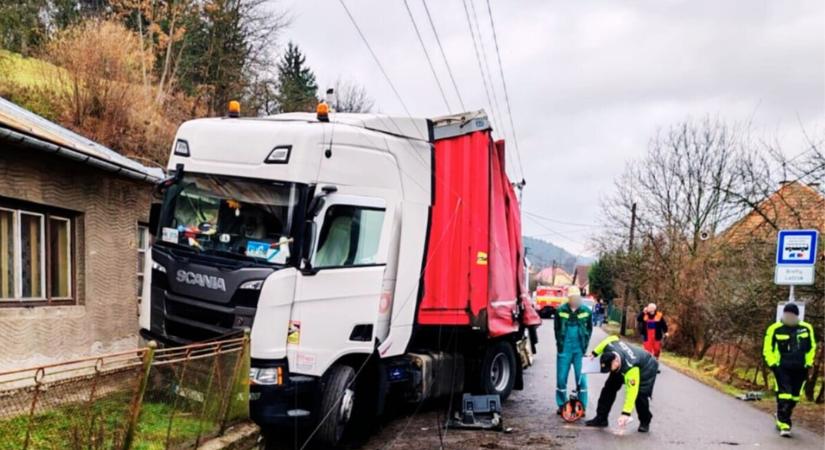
x,y
614,313
145,398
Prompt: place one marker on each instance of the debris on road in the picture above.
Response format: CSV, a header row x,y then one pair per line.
x,y
751,396
478,412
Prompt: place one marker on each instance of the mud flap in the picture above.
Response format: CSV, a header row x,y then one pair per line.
x,y
524,353
519,382
478,412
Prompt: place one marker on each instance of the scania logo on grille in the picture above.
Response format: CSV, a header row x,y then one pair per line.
x,y
199,279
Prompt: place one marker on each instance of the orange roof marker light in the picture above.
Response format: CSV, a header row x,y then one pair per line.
x,y
322,112
234,108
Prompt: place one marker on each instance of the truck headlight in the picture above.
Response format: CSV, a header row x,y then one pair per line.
x,y
158,267
266,375
254,285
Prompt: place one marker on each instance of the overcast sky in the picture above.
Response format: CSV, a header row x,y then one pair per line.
x,y
589,82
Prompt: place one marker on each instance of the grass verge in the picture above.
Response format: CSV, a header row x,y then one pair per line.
x,y
102,425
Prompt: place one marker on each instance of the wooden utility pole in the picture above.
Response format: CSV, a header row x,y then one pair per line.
x,y
626,299
553,278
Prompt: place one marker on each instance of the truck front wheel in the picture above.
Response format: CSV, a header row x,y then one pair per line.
x,y
337,401
498,369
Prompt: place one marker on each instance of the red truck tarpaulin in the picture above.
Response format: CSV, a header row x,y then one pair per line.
x,y
474,273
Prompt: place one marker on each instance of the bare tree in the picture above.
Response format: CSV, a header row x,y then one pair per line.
x,y
709,205
351,97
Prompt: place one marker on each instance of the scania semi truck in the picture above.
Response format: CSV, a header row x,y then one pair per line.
x,y
375,259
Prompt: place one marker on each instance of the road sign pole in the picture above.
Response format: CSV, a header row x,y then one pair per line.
x,y
791,297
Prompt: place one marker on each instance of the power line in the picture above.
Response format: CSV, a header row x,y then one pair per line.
x,y
506,94
554,232
486,63
375,57
489,77
478,59
561,222
443,55
427,55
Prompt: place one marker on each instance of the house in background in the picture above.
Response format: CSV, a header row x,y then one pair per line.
x,y
72,238
554,276
795,205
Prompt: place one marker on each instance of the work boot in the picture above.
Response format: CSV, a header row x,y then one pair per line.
x,y
558,411
599,422
644,427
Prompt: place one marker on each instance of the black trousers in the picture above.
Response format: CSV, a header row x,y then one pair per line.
x,y
788,387
612,386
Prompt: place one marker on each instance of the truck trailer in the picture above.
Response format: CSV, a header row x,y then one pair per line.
x,y
375,259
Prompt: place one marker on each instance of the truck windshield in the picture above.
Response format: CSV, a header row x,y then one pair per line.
x,y
230,217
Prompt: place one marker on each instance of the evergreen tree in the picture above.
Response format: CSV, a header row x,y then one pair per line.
x,y
22,27
602,277
296,82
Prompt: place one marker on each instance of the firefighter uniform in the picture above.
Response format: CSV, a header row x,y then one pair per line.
x,y
789,351
652,328
637,373
573,330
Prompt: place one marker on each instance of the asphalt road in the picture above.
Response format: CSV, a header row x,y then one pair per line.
x,y
686,415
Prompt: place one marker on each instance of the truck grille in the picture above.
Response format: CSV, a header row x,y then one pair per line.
x,y
187,319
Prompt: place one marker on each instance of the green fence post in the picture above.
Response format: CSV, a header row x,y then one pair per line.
x,y
239,382
137,401
203,413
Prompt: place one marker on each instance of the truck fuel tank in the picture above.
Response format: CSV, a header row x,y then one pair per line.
x,y
435,374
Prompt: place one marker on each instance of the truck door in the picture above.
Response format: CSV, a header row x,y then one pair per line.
x,y
337,301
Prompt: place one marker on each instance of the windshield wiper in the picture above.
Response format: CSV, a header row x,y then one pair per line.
x,y
181,247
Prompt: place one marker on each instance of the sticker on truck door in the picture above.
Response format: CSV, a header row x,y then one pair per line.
x,y
293,335
305,361
481,258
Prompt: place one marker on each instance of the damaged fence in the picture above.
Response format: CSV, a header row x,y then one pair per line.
x,y
146,398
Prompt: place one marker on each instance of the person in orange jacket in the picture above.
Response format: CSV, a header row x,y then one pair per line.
x,y
652,328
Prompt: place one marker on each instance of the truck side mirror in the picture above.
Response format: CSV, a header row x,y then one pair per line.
x,y
315,206
309,243
154,218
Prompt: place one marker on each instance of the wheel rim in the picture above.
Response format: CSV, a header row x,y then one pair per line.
x,y
500,372
345,412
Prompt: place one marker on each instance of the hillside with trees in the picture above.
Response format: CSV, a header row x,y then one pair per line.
x,y
542,254
126,73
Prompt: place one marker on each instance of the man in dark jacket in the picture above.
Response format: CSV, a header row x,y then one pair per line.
x,y
652,328
632,367
789,350
573,327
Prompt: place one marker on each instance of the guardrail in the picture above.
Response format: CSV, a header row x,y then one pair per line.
x,y
143,398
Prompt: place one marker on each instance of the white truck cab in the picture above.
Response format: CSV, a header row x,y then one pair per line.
x,y
313,232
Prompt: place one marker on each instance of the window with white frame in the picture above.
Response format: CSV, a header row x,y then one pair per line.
x,y
142,248
36,256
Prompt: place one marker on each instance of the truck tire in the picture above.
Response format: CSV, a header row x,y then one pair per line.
x,y
498,370
337,400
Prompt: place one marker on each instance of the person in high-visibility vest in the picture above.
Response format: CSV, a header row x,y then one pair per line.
x,y
789,350
629,366
573,327
652,328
